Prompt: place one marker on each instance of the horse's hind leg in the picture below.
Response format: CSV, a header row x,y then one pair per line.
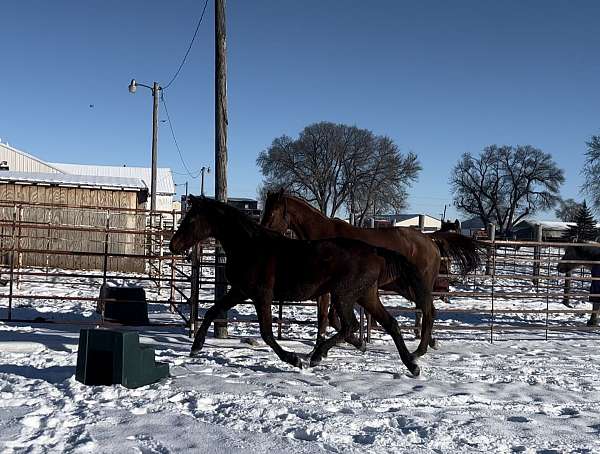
x,y
265,321
425,303
322,310
593,321
370,301
345,332
229,300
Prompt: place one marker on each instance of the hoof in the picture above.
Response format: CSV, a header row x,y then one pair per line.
x,y
592,323
315,361
415,370
434,344
362,347
195,352
296,362
320,339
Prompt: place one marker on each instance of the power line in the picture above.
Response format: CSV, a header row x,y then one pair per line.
x,y
162,97
189,48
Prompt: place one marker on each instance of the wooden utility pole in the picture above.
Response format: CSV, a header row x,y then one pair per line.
x,y
220,327
155,94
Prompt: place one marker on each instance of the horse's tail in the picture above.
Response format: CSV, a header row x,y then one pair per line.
x,y
400,270
462,250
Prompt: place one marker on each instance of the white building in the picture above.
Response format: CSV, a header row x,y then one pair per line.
x,y
430,224
20,161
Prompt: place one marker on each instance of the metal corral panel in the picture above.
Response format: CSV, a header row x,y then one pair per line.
x,y
47,205
20,161
164,177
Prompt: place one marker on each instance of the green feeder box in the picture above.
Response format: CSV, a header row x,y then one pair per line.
x,y
110,357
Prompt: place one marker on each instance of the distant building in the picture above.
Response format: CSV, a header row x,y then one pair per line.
x,y
430,223
551,230
473,227
14,160
248,206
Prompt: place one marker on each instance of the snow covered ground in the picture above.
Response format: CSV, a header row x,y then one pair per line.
x,y
518,394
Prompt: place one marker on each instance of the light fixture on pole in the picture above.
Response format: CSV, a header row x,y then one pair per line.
x,y
202,170
155,88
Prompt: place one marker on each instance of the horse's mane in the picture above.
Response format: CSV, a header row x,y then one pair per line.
x,y
247,224
305,204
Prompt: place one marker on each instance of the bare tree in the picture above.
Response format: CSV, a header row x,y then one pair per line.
x,y
591,172
383,185
505,184
336,165
568,210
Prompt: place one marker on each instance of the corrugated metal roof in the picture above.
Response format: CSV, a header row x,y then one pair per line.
x,y
63,179
164,177
28,156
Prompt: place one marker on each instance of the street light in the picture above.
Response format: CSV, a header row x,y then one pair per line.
x,y
155,94
202,170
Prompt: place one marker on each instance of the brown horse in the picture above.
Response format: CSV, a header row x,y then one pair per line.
x,y
263,265
283,212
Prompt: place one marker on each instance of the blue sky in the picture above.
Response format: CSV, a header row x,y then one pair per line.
x,y
440,78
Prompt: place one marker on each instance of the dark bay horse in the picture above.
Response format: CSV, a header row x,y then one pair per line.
x,y
263,265
590,253
283,211
442,283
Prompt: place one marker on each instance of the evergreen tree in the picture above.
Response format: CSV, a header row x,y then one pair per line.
x,y
584,228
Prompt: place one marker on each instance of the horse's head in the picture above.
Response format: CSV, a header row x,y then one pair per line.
x,y
194,227
275,213
571,253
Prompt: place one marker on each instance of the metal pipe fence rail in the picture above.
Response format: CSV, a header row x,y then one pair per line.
x,y
94,246
521,291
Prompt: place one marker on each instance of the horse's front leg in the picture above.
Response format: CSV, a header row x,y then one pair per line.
x,y
229,300
265,321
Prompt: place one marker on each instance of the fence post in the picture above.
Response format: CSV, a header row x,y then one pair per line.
x,y
172,283
19,249
106,238
492,237
280,318
161,239
537,255
369,322
194,291
567,288
491,269
12,264
421,222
